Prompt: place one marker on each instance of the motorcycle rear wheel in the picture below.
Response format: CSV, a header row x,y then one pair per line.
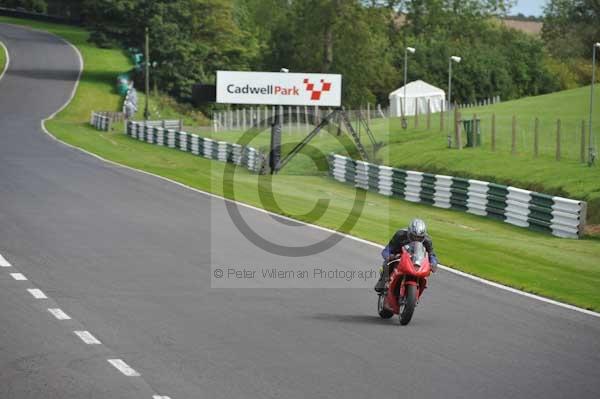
x,y
409,305
383,312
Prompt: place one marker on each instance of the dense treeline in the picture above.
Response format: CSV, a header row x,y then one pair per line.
x,y
570,29
362,39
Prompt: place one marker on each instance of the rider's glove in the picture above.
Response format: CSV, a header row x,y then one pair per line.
x,y
433,262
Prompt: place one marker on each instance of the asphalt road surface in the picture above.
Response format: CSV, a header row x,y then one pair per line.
x,y
128,258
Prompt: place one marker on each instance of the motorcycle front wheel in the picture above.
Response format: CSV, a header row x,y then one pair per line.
x,y
383,312
409,305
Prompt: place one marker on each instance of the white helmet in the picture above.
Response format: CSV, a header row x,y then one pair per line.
x,y
417,230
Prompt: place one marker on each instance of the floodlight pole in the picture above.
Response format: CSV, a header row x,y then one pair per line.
x,y
412,51
457,60
591,153
147,55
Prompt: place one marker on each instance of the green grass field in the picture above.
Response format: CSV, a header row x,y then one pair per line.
x,y
426,149
496,251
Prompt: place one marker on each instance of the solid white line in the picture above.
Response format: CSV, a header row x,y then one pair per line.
x,y
123,367
59,314
7,60
37,293
87,337
4,262
18,276
446,268
519,292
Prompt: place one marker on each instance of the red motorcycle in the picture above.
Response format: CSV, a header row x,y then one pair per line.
x,y
406,284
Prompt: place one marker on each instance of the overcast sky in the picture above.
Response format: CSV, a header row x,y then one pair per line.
x,y
529,7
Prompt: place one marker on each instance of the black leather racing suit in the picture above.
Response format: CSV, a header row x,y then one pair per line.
x,y
394,247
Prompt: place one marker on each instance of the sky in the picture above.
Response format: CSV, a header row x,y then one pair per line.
x,y
529,7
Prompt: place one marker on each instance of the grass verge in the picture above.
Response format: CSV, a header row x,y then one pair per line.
x,y
496,251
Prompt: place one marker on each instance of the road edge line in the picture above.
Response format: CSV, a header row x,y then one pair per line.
x,y
446,268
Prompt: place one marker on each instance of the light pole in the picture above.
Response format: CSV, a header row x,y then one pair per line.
x,y
591,154
147,77
406,51
450,60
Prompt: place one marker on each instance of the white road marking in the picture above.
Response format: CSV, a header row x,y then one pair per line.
x,y
18,276
446,268
37,293
87,337
4,262
160,397
59,314
123,367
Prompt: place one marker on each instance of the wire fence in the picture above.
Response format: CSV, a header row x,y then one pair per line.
x,y
561,138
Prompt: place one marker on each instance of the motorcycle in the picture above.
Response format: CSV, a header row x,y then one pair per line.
x,y
406,284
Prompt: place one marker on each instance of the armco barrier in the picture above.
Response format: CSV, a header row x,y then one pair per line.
x,y
100,121
153,133
166,124
561,217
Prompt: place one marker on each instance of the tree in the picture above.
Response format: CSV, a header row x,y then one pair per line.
x,y
571,27
190,39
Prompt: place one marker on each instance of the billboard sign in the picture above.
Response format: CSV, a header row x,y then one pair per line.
x,y
279,88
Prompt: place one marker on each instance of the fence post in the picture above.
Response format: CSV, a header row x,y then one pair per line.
x,y
513,147
458,120
536,138
416,113
369,114
558,123
473,132
428,113
306,117
582,148
459,131
494,131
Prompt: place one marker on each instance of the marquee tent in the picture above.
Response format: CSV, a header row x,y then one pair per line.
x,y
418,94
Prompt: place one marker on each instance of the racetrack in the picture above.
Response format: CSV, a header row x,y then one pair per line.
x,y
128,257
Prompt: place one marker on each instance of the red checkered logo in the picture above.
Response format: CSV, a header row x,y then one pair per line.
x,y
314,93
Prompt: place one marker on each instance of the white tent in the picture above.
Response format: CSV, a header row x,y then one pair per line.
x,y
418,94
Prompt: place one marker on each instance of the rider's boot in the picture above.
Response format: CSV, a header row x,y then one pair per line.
x,y
380,286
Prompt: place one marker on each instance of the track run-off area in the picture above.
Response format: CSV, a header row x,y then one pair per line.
x,y
105,289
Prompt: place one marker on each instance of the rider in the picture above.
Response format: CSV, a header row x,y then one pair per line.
x,y
416,231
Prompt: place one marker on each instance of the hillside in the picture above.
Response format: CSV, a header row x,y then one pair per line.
x,y
567,177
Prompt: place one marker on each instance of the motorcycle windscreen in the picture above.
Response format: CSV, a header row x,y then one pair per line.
x,y
418,253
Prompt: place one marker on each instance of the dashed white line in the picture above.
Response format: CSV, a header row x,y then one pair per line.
x,y
59,314
4,262
18,276
123,367
87,337
160,397
37,293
